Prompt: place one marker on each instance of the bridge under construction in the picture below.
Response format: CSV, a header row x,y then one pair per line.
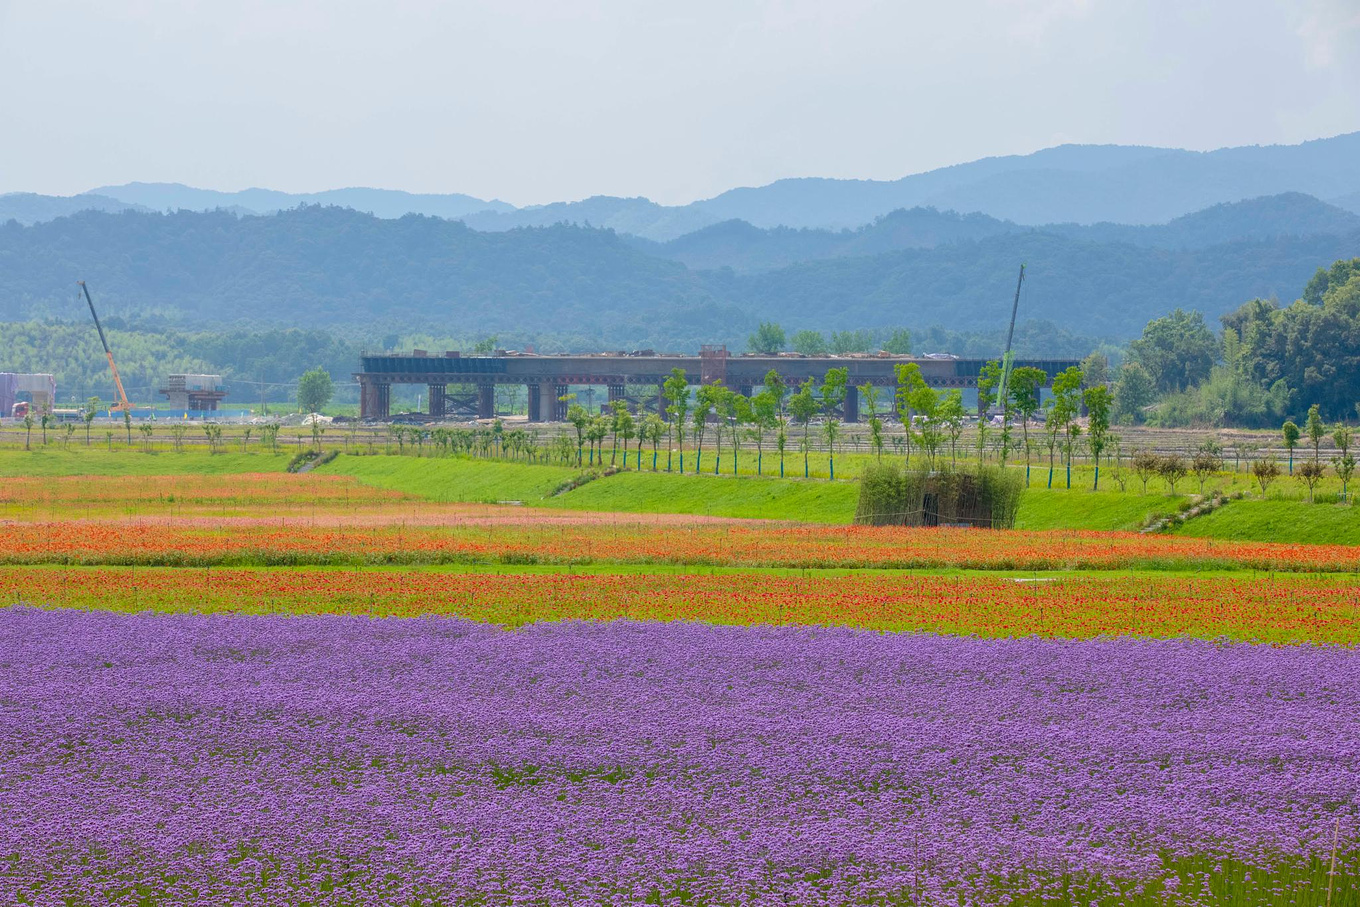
x,y
636,377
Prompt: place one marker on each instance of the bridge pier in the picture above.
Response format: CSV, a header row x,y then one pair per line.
x,y
851,403
374,399
486,401
437,392
559,406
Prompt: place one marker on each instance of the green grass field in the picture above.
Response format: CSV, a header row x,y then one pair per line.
x,y
97,460
1280,521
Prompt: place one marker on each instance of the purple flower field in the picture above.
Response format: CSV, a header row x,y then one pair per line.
x,y
219,760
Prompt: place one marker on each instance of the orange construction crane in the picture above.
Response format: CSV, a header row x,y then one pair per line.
x,y
122,405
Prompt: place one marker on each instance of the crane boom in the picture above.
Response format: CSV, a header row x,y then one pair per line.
x,y
122,405
1010,335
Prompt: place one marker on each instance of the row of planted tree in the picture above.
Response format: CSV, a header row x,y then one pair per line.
x,y
1070,424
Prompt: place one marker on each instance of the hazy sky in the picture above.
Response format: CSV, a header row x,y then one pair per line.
x,y
544,100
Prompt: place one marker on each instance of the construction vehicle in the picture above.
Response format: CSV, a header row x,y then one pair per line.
x,y
1008,358
121,405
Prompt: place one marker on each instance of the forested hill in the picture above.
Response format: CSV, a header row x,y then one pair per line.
x,y
324,267
746,248
328,267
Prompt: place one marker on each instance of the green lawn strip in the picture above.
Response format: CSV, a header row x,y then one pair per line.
x,y
97,460
1279,521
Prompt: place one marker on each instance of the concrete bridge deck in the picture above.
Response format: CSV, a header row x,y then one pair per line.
x,y
637,375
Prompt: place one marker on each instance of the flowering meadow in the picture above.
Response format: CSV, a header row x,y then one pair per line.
x,y
205,698
340,760
535,538
1293,609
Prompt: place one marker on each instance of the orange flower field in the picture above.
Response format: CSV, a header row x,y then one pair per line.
x,y
1289,609
459,536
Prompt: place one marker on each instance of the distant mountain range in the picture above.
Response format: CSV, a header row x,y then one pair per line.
x,y
329,267
746,248
1078,184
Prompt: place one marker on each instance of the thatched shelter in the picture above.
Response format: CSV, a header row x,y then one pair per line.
x,y
984,497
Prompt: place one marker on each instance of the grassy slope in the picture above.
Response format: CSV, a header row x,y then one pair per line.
x,y
1280,521
1104,510
97,460
454,479
644,492
451,479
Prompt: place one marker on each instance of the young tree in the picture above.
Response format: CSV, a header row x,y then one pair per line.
x,y
768,339
596,431
908,380
1062,417
1343,463
925,403
1098,399
28,431
834,387
870,395
625,427
580,421
704,402
46,424
951,415
1316,430
988,379
803,406
1146,464
1310,474
127,425
619,421
315,390
146,429
724,409
741,412
1025,390
1291,434
1205,463
653,429
764,417
676,392
87,415
1173,469
1266,471
70,430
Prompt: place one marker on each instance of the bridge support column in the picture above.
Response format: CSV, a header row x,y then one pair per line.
x,y
534,405
617,392
851,403
437,401
744,390
374,399
559,406
486,401
662,403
